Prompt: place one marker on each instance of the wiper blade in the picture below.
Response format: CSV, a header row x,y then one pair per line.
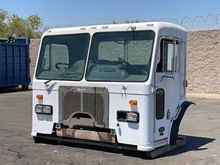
x,y
63,78
58,76
47,81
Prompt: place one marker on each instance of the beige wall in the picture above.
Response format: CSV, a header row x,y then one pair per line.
x,y
203,61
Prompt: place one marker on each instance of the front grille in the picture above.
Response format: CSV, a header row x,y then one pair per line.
x,y
85,101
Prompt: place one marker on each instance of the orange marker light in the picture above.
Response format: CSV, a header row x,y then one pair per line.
x,y
39,96
133,102
186,83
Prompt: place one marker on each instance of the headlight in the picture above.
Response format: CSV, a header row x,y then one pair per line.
x,y
39,108
44,109
132,117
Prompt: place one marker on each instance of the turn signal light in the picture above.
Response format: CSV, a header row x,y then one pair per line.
x,y
133,102
39,96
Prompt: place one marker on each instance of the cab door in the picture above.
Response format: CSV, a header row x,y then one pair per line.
x,y
167,85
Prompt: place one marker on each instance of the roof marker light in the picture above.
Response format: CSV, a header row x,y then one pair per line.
x,y
104,27
150,24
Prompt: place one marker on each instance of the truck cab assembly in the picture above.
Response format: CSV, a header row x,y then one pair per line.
x,y
120,85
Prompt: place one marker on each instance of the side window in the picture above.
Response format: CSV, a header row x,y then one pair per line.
x,y
169,56
159,104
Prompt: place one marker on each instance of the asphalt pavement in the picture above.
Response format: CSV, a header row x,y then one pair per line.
x,y
200,125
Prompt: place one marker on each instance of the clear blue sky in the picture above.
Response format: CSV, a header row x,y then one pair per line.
x,y
84,12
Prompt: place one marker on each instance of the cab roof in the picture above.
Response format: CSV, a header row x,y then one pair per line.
x,y
155,26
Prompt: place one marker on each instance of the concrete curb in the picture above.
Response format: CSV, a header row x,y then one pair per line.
x,y
203,95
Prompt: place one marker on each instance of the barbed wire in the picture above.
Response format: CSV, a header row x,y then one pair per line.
x,y
211,21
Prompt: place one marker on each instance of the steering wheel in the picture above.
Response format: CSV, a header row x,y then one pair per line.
x,y
132,66
61,65
124,62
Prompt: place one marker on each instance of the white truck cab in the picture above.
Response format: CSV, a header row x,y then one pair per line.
x,y
121,84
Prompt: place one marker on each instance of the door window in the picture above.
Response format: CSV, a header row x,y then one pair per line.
x,y
169,56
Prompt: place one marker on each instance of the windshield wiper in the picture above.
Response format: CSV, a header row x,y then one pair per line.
x,y
62,78
47,81
58,76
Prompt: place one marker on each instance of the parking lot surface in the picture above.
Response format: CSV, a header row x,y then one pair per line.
x,y
200,125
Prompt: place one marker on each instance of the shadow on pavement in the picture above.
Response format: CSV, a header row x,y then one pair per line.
x,y
193,144
11,90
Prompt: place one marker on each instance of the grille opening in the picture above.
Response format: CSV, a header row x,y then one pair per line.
x,y
79,120
82,119
81,115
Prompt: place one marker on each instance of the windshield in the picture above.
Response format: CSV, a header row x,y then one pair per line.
x,y
62,57
120,56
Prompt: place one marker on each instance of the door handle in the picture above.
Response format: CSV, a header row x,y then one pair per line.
x,y
167,76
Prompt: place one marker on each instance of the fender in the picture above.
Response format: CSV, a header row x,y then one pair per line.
x,y
177,121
